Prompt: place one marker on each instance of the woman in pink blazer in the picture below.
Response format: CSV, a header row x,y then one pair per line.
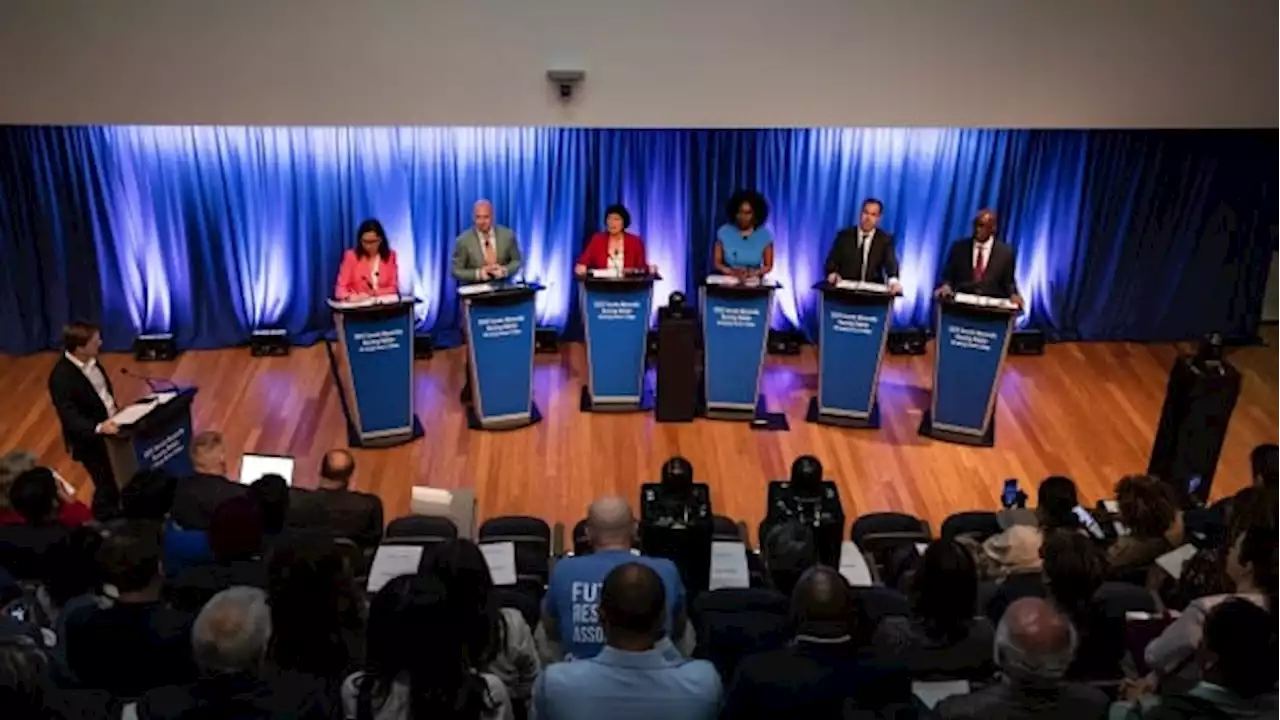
x,y
369,269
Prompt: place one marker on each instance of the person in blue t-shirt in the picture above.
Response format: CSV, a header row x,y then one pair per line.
x,y
569,612
744,246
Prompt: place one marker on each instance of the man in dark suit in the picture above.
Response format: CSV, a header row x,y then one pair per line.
x,y
336,509
81,393
199,495
980,264
822,673
865,252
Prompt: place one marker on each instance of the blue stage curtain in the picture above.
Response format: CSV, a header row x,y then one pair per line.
x,y
210,232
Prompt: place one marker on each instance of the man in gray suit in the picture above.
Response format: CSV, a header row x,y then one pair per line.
x,y
485,251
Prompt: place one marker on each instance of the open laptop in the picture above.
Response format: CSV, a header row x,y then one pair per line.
x,y
254,466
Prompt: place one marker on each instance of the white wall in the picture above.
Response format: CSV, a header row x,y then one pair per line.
x,y
1030,63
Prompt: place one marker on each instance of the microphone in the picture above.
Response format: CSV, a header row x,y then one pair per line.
x,y
151,381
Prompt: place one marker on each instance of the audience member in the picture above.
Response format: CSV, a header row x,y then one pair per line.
x,y
27,690
942,637
639,673
1035,645
316,609
149,496
271,492
1251,568
733,623
1149,510
1013,555
34,496
1265,461
337,509
1074,571
71,512
823,673
498,640
235,541
229,641
418,661
199,495
573,594
137,643
1237,659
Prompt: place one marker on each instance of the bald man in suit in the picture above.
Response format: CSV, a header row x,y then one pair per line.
x,y
981,264
485,251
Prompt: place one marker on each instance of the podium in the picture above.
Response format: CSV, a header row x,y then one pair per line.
x,y
971,341
500,334
615,316
735,328
374,367
155,433
1193,423
853,331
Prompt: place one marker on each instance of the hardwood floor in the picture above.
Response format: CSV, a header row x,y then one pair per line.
x,y
1087,410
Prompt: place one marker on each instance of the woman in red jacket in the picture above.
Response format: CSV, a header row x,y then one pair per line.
x,y
614,248
369,269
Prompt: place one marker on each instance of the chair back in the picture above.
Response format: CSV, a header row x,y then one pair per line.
x,y
428,528
880,535
976,524
531,538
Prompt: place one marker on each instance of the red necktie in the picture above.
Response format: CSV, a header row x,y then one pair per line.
x,y
980,265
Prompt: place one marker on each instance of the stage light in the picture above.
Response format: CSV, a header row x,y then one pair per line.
x,y
424,346
1026,342
155,347
784,342
910,341
269,342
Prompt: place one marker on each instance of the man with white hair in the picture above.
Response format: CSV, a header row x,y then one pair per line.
x,y
569,612
229,642
485,251
1035,644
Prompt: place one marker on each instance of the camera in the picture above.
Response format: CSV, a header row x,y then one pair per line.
x,y
566,81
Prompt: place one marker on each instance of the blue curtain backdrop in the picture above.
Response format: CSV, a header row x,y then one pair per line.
x,y
209,232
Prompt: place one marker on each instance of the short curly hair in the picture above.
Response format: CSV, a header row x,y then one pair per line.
x,y
621,211
759,206
1148,505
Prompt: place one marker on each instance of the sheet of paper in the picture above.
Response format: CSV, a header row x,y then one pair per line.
x,y
350,304
1172,561
1111,506
501,558
729,565
723,280
132,413
921,547
389,299
392,561
862,285
610,272
476,289
853,566
932,693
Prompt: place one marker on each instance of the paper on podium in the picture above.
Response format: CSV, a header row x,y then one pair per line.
x,y
1173,561
476,289
723,280
387,299
863,285
611,272
392,561
853,566
501,559
984,301
131,414
729,565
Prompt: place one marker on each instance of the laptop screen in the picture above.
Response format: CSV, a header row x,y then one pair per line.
x,y
253,467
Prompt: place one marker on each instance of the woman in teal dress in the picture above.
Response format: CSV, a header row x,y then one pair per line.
x,y
744,247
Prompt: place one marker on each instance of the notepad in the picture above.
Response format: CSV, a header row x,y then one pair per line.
x,y
723,280
1173,561
476,289
392,561
729,565
501,559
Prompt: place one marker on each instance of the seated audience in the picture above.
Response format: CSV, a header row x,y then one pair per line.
x,y
498,639
1035,645
1237,659
639,673
137,643
573,593
1149,510
1016,549
271,492
418,663
1210,524
823,673
28,692
149,497
337,509
24,547
1073,572
198,496
229,641
71,512
733,623
235,540
316,609
72,587
942,637
1251,568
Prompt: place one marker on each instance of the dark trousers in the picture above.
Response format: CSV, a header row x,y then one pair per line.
x,y
106,493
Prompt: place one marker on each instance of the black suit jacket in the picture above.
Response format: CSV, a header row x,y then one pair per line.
x,y
198,496
814,681
341,513
845,259
997,281
79,407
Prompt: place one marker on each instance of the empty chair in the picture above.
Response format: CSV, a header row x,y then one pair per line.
x,y
880,535
978,525
724,528
531,537
420,530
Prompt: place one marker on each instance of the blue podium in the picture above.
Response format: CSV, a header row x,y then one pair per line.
x,y
500,326
158,436
374,367
735,330
971,341
615,316
853,330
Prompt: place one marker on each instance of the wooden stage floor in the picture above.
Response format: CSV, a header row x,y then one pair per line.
x,y
1087,410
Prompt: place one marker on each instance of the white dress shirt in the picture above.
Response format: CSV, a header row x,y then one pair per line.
x,y
374,271
864,244
982,250
486,241
93,372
